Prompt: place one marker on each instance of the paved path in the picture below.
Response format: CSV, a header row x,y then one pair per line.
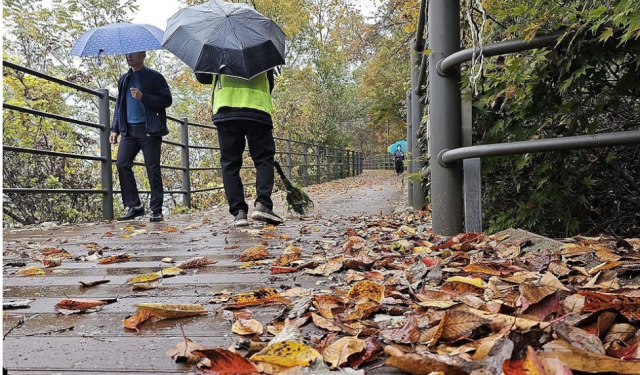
x,y
50,343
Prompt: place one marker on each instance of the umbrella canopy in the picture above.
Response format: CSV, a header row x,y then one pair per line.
x,y
394,147
118,39
229,36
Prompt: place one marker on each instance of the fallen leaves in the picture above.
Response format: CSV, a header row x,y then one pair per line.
x,y
287,354
157,311
253,254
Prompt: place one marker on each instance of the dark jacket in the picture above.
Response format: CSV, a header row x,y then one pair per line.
x,y
234,114
398,155
156,97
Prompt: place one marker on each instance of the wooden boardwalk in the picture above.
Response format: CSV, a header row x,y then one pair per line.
x,y
39,340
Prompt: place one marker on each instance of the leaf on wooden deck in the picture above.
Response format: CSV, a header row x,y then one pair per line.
x,y
182,352
89,284
407,334
253,253
116,259
367,289
196,262
261,296
225,362
288,354
30,271
79,304
247,327
330,266
338,352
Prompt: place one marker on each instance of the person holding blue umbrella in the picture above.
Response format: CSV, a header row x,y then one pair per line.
x,y
398,158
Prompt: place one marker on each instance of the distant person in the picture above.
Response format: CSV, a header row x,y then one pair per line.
x,y
242,112
141,119
398,157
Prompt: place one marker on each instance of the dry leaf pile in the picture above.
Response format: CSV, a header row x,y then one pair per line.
x,y
468,304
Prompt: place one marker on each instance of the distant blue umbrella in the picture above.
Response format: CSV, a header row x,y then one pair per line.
x,y
394,147
118,39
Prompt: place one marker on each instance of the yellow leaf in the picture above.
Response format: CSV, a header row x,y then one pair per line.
x,y
367,289
170,271
287,353
144,278
477,282
30,271
338,352
171,310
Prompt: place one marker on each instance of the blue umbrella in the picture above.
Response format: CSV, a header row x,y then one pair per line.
x,y
394,147
118,39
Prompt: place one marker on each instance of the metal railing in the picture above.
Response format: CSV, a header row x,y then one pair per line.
x,y
379,161
304,162
455,177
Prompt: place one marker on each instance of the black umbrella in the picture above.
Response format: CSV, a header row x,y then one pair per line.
x,y
231,37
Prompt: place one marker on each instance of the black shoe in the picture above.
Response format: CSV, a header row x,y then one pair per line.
x,y
132,213
262,213
156,216
240,220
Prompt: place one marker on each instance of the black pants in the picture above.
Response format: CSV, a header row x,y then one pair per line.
x,y
233,137
135,140
399,166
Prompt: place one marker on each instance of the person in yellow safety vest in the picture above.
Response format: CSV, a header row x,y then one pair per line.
x,y
242,112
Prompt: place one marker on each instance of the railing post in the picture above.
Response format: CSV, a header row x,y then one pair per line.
x,y
186,172
419,196
288,158
318,170
445,132
410,149
105,151
335,163
328,163
305,159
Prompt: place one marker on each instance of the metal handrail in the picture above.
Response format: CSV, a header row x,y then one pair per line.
x,y
447,157
51,153
50,78
51,115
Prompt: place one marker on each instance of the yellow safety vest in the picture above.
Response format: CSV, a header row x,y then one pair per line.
x,y
241,93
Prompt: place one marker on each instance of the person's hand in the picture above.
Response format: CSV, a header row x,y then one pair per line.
x,y
113,137
137,94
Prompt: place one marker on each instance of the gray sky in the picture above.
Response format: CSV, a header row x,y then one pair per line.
x,y
152,13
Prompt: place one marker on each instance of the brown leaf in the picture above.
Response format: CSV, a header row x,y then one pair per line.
x,y
334,326
116,259
182,352
196,262
622,332
425,364
332,265
253,254
225,362
582,360
459,324
338,352
324,303
361,310
535,290
407,334
79,304
261,296
285,259
578,338
493,268
247,327
627,306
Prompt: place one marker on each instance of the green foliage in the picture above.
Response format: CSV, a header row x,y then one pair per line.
x,y
583,85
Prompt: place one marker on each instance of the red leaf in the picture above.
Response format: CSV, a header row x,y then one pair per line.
x,y
276,270
371,350
225,362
